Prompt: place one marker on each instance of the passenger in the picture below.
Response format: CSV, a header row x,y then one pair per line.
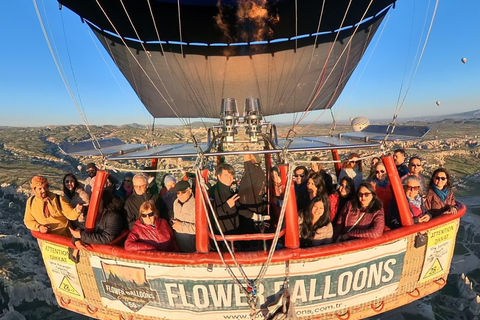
x,y
318,168
300,184
399,158
352,168
373,163
412,187
169,196
164,189
75,194
126,188
315,186
152,187
139,196
440,199
383,189
150,232
47,212
277,191
314,223
251,203
108,225
345,193
362,217
414,169
224,200
183,222
90,181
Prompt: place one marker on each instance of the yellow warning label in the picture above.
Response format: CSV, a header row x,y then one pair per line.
x,y
434,269
66,286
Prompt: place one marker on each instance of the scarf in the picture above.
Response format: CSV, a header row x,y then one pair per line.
x,y
442,194
382,184
416,202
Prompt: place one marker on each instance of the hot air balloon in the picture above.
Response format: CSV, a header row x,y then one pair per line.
x,y
210,58
359,123
464,60
438,103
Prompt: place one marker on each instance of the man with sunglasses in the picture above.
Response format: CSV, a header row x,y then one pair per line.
x,y
414,169
47,212
300,178
183,222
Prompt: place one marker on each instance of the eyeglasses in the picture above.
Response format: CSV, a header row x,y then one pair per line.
x,y
69,181
299,175
416,164
183,191
380,171
412,188
364,194
441,178
149,215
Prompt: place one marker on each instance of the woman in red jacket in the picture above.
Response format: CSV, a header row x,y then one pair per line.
x,y
150,232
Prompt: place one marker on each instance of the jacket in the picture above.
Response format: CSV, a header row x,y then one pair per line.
x,y
185,214
227,217
108,227
133,203
146,237
370,226
435,206
59,209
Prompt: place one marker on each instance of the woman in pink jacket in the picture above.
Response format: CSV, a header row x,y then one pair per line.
x,y
150,232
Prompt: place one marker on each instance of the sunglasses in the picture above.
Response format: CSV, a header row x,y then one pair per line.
x,y
441,178
127,180
91,170
364,194
149,215
299,175
182,192
412,188
380,171
69,181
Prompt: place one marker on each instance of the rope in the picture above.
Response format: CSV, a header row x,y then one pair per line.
x,y
95,142
376,154
138,63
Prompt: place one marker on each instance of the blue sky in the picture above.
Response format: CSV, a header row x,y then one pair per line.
x,y
32,92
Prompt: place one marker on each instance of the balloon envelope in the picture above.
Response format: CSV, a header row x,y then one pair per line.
x,y
438,103
464,60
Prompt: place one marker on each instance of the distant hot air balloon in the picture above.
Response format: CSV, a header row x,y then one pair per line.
x,y
359,123
464,60
438,103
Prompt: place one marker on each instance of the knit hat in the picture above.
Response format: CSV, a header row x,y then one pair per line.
x,y
181,186
38,181
91,165
169,178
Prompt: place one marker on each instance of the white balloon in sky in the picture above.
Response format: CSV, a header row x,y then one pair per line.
x,y
359,123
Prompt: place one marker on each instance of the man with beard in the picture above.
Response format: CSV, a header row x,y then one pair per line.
x,y
251,192
47,212
90,181
139,196
224,200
